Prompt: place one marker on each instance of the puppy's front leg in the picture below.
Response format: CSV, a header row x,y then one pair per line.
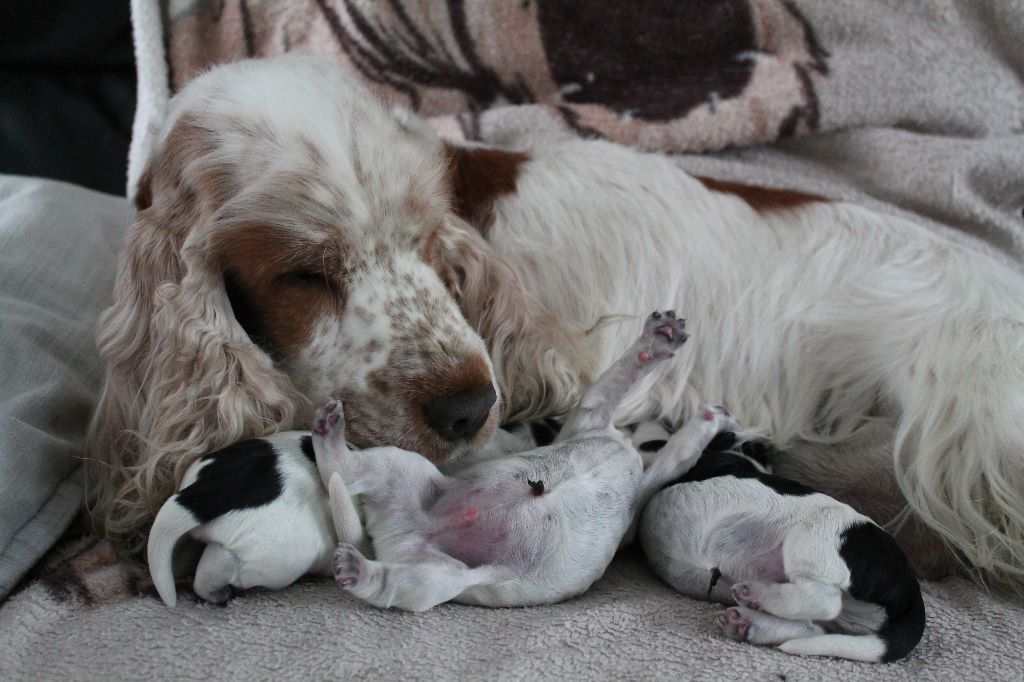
x,y
408,586
347,526
683,449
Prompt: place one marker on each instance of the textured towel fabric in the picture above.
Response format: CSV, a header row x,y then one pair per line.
x,y
78,623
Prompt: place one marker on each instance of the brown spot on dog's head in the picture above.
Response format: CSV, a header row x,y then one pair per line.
x,y
279,285
478,177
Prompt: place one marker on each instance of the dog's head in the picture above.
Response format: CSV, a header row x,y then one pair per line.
x,y
295,241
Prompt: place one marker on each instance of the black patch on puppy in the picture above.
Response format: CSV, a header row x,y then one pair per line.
x,y
761,451
306,443
722,442
241,476
715,575
544,432
880,574
536,487
714,464
652,445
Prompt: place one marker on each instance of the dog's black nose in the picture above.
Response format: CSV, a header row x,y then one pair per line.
x,y
459,416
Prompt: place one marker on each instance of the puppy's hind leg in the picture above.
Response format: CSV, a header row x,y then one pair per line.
x,y
661,335
748,625
217,569
408,586
798,600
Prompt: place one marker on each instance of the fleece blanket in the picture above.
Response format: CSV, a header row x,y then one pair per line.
x,y
88,617
914,107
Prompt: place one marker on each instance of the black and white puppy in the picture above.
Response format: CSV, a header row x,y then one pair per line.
x,y
807,573
259,509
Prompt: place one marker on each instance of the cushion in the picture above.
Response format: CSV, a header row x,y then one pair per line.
x,y
58,245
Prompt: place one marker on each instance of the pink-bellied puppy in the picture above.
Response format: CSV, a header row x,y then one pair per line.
x,y
529,528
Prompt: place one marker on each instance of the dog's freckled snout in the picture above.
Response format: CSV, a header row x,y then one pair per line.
x,y
460,416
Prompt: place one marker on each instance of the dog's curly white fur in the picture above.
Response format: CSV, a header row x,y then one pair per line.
x,y
818,319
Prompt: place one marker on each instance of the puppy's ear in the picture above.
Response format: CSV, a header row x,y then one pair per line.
x,y
478,177
182,377
534,355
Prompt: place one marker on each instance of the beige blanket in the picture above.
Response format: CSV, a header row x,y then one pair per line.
x,y
88,618
910,106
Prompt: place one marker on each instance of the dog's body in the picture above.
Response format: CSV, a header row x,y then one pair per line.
x,y
525,529
275,242
260,512
809,573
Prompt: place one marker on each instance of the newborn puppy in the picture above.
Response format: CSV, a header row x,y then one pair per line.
x,y
808,573
529,528
260,510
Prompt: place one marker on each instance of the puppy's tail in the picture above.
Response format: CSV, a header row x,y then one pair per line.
x,y
892,642
172,522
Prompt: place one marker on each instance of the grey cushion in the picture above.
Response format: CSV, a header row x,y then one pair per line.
x,y
58,246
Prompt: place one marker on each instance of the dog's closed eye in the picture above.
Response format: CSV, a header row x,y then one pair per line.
x,y
305,278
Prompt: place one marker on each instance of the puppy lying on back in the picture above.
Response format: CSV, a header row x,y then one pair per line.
x,y
808,573
530,528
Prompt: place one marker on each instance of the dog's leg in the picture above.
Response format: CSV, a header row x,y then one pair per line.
x,y
661,335
747,625
361,470
347,526
683,449
409,586
217,569
798,600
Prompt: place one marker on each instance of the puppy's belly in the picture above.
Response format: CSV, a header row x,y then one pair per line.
x,y
494,515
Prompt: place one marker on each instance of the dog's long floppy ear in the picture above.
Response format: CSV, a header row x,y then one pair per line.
x,y
534,354
182,377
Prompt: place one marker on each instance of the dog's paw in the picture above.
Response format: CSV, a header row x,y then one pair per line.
x,y
720,419
662,334
329,420
734,624
349,565
746,594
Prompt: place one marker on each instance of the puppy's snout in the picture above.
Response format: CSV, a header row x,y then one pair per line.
x,y
459,416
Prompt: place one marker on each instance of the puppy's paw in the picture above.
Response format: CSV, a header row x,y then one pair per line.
x,y
734,624
747,594
329,421
349,566
662,334
719,418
